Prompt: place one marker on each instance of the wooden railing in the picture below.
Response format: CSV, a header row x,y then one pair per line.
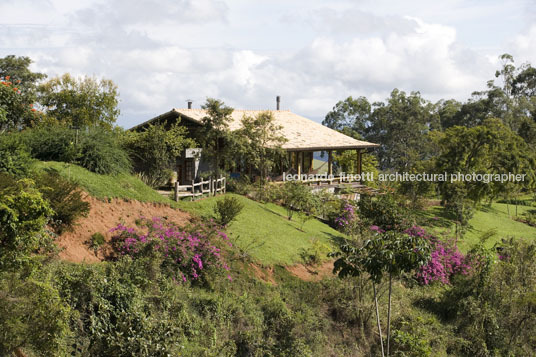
x,y
211,187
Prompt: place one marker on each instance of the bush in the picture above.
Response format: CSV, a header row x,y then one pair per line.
x,y
385,212
96,240
295,197
316,254
154,151
14,156
100,152
227,209
241,185
64,197
187,255
95,149
23,214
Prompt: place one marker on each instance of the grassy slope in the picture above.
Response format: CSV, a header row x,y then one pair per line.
x,y
258,223
495,217
104,186
266,224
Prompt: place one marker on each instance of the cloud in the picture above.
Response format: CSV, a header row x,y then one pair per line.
x,y
160,56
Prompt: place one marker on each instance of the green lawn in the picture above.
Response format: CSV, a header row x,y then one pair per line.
x,y
265,226
495,217
104,186
261,229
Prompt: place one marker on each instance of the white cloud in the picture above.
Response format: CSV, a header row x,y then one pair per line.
x,y
313,55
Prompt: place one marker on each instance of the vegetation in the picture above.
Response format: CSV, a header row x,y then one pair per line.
x,y
65,199
97,149
154,151
261,141
227,209
80,102
233,290
105,187
260,226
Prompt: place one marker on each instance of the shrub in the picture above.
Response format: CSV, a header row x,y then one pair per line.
x,y
29,307
227,209
23,213
64,197
445,259
14,156
154,151
186,255
96,240
316,254
384,211
100,152
295,197
241,185
96,149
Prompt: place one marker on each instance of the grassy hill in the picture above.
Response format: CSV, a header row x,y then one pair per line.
x,y
123,186
265,230
495,217
261,230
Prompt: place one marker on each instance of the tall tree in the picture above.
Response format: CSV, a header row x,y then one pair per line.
x,y
350,114
81,102
19,73
262,140
400,126
491,148
214,136
17,93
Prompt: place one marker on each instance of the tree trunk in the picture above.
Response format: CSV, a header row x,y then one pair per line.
x,y
378,317
389,315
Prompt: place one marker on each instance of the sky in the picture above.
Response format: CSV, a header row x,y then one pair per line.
x,y
312,53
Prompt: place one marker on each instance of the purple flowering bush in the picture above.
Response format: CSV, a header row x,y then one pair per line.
x,y
445,260
187,253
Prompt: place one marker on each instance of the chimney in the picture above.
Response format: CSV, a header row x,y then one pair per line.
x,y
189,103
278,102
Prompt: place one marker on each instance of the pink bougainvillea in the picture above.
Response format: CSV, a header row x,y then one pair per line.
x,y
187,254
445,260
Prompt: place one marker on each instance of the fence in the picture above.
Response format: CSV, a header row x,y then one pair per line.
x,y
211,187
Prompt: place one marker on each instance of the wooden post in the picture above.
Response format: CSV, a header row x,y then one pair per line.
x,y
193,190
330,162
210,186
177,191
224,185
359,164
299,160
311,159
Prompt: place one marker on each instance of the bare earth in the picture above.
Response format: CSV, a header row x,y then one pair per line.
x,y
102,217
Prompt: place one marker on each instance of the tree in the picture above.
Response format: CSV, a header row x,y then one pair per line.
x,y
350,114
80,102
400,126
215,136
15,110
154,151
261,142
491,148
17,70
389,253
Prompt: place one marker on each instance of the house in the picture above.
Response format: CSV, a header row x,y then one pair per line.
x,y
304,137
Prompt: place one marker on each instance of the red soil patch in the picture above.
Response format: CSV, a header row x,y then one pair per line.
x,y
312,273
264,274
102,217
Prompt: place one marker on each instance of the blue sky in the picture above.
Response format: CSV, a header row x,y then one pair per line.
x,y
312,53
